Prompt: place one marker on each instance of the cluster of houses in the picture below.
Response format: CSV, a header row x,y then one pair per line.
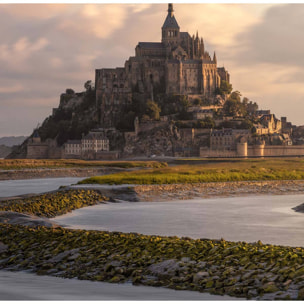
x,y
94,145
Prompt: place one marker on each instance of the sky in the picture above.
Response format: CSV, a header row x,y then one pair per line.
x,y
47,48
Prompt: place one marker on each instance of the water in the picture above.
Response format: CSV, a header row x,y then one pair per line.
x,y
27,286
266,218
23,186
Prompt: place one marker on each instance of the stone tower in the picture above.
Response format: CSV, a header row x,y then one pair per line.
x,y
170,29
178,64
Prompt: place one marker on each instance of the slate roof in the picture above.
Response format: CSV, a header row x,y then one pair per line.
x,y
184,35
170,22
151,45
73,141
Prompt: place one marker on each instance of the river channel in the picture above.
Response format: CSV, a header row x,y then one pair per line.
x,y
252,218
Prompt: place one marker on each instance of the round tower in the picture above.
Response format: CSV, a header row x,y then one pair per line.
x,y
241,149
258,149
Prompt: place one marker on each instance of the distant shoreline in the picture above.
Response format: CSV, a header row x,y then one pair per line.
x,y
56,172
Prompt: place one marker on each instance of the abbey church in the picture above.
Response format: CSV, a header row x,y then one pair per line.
x,y
179,64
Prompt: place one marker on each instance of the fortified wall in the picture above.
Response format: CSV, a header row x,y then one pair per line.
x,y
259,150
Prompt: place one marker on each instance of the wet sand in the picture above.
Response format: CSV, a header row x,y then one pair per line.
x,y
27,286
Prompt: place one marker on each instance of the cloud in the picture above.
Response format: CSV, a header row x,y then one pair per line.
x,y
277,39
33,11
46,48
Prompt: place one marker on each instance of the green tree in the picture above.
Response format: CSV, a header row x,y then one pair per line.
x,y
89,85
233,105
153,110
246,124
225,88
69,92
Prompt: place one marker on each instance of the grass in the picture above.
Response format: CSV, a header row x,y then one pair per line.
x,y
222,171
17,164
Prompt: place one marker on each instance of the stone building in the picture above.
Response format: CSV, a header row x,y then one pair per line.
x,y
179,64
227,139
272,123
36,149
94,142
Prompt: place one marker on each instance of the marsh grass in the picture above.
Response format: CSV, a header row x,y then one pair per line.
x,y
271,169
17,164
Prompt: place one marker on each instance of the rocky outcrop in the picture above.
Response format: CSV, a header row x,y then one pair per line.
x,y
158,140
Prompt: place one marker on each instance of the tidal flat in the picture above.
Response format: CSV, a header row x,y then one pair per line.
x,y
245,269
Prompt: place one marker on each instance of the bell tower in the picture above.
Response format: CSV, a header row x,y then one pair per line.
x,y
170,29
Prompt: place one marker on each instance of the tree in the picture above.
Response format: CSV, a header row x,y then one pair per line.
x,y
246,124
233,105
153,110
89,85
224,89
69,92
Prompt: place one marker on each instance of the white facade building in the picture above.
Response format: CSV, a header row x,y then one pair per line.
x,y
93,142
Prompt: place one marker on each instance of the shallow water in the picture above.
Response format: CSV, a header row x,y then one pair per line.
x,y
23,186
266,218
28,286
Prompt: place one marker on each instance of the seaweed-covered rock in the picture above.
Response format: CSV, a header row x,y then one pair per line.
x,y
200,276
54,203
155,261
3,247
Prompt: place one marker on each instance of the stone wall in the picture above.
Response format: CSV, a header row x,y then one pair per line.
x,y
284,150
254,151
37,151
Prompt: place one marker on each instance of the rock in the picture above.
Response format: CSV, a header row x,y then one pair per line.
x,y
247,275
301,294
3,247
116,279
199,276
287,283
209,284
164,267
59,257
201,264
299,272
269,287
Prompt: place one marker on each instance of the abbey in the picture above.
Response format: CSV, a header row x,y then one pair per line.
x,y
179,64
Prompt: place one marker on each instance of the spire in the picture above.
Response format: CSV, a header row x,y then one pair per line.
x,y
170,9
202,47
196,34
170,21
214,58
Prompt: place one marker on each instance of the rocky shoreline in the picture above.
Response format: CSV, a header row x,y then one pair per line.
x,y
247,270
